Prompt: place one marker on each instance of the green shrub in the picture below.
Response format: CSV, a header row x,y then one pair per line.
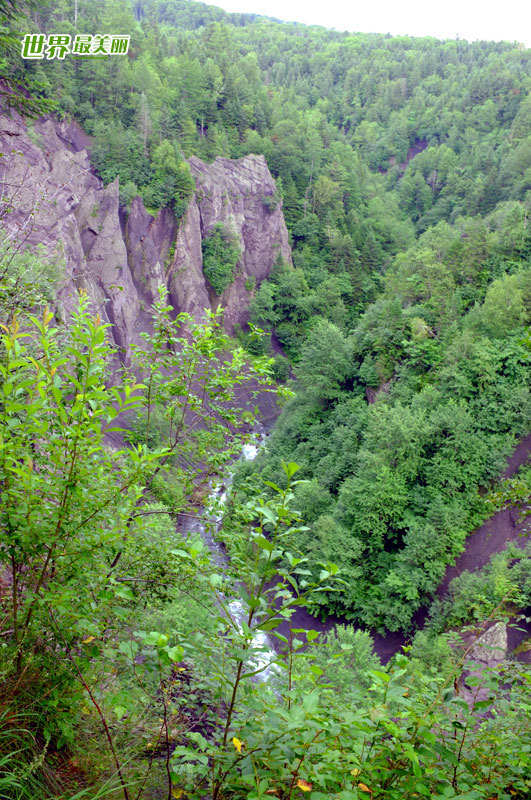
x,y
221,253
281,369
472,596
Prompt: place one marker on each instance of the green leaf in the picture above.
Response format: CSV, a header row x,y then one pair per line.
x,y
263,543
175,653
200,740
310,702
273,486
271,624
445,753
125,592
196,548
268,514
290,468
180,553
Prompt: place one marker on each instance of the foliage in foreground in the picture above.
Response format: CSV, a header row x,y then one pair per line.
x,y
79,551
205,706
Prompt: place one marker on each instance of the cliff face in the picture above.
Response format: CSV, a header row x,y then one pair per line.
x,y
235,194
56,200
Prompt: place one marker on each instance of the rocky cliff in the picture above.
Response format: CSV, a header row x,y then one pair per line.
x,y
241,196
55,199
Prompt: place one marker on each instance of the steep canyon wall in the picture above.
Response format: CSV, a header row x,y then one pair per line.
x,y
51,197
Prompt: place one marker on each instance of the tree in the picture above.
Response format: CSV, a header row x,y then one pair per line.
x,y
172,184
118,152
221,253
503,309
74,542
18,88
326,361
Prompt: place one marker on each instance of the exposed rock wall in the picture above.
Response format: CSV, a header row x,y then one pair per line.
x,y
57,201
234,193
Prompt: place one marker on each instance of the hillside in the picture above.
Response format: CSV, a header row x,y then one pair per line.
x,y
363,201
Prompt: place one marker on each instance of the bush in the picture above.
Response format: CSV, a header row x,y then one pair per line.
x,y
127,192
221,253
281,369
472,596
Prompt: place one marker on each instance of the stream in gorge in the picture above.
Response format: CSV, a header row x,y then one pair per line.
x,y
262,644
489,538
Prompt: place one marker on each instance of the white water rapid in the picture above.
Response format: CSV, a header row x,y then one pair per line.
x,y
263,652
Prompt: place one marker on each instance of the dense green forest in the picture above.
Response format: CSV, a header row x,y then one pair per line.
x,y
404,169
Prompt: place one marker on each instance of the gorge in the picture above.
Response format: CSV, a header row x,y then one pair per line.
x,y
56,201
120,258
228,211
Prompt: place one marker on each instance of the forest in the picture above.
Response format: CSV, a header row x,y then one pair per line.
x,y
399,341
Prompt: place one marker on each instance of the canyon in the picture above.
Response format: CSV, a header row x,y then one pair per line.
x,y
54,201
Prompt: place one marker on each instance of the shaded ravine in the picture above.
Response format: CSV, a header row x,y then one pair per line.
x,y
262,651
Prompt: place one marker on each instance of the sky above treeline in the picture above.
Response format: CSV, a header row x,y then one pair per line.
x,y
472,20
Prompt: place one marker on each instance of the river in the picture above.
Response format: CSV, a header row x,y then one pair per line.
x,y
489,538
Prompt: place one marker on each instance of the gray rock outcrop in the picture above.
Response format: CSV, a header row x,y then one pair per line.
x,y
485,653
491,647
56,200
240,195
